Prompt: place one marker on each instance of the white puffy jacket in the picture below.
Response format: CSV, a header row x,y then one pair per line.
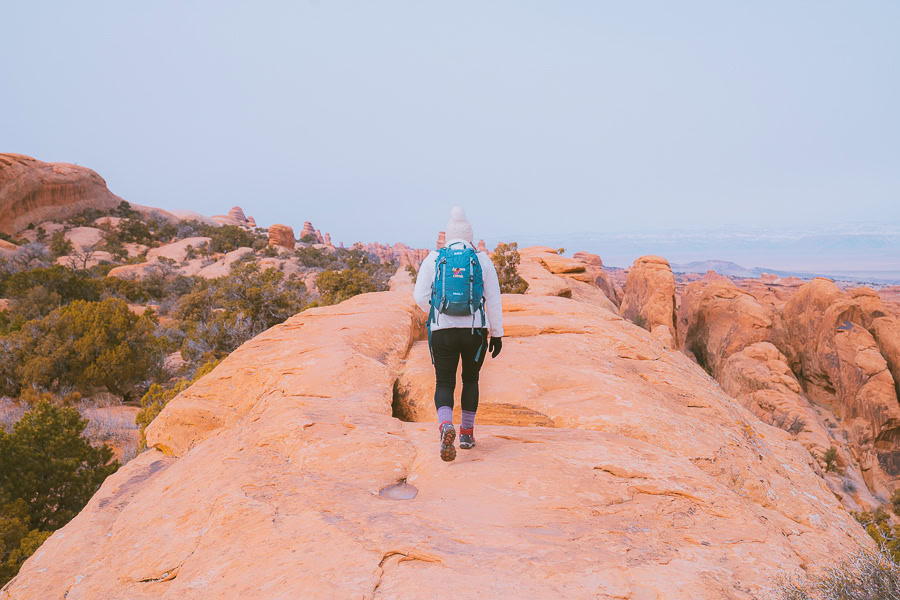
x,y
493,307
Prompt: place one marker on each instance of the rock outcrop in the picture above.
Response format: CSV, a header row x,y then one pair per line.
x,y
549,274
177,251
251,222
649,297
237,214
839,363
283,474
441,241
32,191
308,231
281,235
716,319
759,377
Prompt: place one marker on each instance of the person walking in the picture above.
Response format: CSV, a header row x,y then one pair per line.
x,y
458,287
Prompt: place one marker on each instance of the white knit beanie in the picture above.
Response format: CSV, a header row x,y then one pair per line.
x,y
459,228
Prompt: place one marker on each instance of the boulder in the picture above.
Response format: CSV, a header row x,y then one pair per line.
x,y
650,294
32,191
85,237
282,474
281,235
137,271
177,251
251,222
222,267
588,259
238,215
226,220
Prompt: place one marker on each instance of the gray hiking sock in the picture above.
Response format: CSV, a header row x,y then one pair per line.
x,y
445,413
468,419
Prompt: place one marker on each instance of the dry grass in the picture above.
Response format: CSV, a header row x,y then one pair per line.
x,y
863,576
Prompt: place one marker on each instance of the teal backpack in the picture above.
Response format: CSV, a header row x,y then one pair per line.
x,y
458,287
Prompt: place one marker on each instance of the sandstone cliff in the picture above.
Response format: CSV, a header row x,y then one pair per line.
x,y
305,466
32,191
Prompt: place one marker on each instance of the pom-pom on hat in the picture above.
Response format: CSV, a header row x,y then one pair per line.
x,y
459,228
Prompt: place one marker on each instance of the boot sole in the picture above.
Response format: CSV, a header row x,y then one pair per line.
x,y
464,446
448,450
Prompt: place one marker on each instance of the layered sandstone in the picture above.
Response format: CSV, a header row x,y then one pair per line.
x,y
32,191
282,236
283,474
237,214
549,274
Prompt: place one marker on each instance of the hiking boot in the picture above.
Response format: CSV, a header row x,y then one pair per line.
x,y
466,438
448,435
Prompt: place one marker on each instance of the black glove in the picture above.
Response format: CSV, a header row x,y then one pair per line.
x,y
495,346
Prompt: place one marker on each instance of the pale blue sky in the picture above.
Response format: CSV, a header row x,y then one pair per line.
x,y
372,118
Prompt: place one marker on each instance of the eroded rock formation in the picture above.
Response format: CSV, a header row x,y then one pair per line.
x,y
32,191
649,297
716,319
282,236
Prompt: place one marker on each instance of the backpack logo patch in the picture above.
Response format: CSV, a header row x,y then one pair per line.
x,y
458,272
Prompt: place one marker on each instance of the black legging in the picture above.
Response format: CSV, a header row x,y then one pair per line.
x,y
448,346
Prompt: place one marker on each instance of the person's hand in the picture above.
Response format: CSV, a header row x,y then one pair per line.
x,y
495,346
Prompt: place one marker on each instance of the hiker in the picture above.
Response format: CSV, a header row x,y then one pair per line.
x,y
458,287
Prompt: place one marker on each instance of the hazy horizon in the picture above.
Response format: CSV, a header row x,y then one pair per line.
x,y
576,120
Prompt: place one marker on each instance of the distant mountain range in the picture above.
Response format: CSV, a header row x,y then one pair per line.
x,y
848,252
730,269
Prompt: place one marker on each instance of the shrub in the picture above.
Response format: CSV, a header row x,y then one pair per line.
x,y
877,524
895,502
640,320
221,314
77,285
506,259
309,239
88,346
10,239
862,576
230,237
830,458
412,271
48,472
60,246
18,540
124,211
337,286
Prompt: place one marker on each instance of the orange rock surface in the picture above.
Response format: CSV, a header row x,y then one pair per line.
x,y
614,468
